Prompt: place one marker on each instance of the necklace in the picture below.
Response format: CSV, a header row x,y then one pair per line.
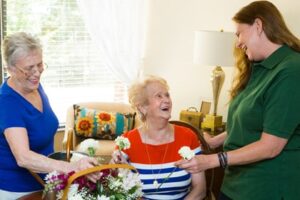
x,y
155,182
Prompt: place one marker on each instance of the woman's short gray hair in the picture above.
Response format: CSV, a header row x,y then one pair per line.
x,y
137,92
18,45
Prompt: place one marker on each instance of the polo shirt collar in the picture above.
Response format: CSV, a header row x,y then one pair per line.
x,y
274,58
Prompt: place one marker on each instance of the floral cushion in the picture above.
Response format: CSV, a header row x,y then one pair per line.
x,y
92,123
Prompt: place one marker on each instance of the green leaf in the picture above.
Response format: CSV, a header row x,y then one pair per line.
x,y
91,151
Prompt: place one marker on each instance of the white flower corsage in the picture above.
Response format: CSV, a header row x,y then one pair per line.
x,y
122,142
186,153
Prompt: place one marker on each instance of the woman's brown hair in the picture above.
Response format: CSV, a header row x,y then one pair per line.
x,y
275,29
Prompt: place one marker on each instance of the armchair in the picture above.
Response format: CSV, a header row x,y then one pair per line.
x,y
106,146
213,178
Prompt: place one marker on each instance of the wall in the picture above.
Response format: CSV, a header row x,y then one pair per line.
x,y
169,45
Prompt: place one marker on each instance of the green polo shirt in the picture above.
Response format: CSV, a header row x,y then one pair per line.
x,y
270,103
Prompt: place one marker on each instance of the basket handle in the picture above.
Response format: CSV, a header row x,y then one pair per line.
x,y
69,144
91,170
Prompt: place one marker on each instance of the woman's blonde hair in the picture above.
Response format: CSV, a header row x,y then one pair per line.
x,y
137,92
275,29
243,70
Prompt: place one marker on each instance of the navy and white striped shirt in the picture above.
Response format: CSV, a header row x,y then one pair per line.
x,y
156,162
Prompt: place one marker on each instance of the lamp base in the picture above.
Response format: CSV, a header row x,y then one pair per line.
x,y
213,123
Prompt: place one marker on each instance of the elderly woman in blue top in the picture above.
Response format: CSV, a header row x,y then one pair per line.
x,y
27,122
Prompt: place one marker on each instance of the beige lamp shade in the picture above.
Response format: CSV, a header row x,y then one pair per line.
x,y
214,48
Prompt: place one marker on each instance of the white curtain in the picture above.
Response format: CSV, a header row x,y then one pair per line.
x,y
117,28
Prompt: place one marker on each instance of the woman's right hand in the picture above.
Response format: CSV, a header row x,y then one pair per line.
x,y
214,141
209,139
85,163
118,158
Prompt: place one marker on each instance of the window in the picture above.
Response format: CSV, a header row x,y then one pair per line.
x,y
75,72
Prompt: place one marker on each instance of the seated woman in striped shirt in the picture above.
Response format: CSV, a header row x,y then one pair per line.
x,y
155,145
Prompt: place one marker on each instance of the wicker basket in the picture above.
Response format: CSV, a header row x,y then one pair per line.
x,y
91,170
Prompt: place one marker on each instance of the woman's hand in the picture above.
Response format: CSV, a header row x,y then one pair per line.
x,y
118,158
199,163
85,163
209,139
214,141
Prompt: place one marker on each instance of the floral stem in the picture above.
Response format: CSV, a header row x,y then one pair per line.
x,y
121,155
91,151
165,179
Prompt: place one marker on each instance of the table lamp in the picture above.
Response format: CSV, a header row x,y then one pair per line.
x,y
214,48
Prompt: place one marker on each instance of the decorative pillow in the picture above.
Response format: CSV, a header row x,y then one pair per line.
x,y
92,123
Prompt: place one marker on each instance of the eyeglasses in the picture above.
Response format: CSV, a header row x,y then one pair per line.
x,y
32,69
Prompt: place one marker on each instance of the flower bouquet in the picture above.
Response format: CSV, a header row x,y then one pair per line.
x,y
117,182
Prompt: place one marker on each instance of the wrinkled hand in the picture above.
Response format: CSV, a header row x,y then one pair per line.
x,y
117,158
85,163
197,164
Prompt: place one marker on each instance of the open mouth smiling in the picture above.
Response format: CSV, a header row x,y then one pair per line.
x,y
165,109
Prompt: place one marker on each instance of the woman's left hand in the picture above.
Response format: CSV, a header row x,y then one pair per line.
x,y
117,158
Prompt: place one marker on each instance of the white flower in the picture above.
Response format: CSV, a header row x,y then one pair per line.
x,y
73,191
130,180
48,177
59,194
76,197
115,184
82,194
86,144
77,156
186,153
122,142
102,197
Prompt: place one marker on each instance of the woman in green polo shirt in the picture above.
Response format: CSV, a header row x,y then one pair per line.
x,y
262,145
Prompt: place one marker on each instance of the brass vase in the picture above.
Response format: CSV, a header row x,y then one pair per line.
x,y
217,81
213,121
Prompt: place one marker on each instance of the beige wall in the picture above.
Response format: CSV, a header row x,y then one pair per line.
x,y
169,45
